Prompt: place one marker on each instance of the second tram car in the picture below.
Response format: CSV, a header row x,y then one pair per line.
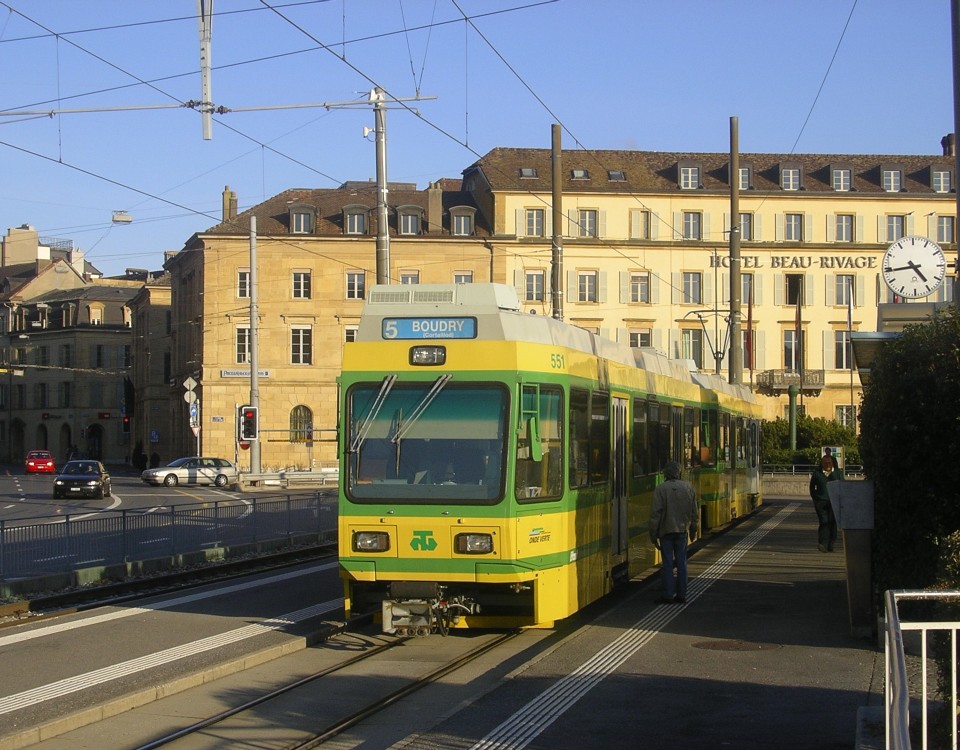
x,y
497,468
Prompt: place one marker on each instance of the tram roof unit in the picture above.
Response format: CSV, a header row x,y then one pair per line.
x,y
497,310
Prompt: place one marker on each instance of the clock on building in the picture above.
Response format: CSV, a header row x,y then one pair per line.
x,y
914,267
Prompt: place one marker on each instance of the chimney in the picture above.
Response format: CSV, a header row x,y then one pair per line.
x,y
229,204
949,144
434,208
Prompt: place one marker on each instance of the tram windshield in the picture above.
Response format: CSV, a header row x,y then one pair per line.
x,y
433,442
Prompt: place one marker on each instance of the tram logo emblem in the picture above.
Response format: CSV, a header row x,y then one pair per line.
x,y
423,541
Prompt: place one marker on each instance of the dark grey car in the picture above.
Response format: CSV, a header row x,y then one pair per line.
x,y
82,478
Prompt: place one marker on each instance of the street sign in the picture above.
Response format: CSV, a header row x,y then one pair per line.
x,y
194,408
190,384
196,429
189,397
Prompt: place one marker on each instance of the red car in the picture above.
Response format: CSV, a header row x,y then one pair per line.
x,y
40,462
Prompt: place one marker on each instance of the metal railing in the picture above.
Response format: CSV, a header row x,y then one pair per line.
x,y
68,543
901,693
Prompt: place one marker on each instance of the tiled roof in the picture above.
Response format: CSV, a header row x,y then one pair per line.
x,y
657,172
273,214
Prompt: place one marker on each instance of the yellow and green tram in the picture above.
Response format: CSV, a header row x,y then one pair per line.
x,y
497,468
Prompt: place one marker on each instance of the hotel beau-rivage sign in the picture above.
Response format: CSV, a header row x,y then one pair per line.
x,y
824,262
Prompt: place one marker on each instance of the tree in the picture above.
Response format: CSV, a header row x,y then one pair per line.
x,y
910,447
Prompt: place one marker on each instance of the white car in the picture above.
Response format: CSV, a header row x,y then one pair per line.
x,y
193,470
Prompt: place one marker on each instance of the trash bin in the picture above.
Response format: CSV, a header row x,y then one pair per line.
x,y
852,503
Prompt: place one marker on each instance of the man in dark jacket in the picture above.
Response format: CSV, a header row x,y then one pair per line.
x,y
673,517
822,474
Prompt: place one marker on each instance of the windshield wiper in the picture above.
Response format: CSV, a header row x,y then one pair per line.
x,y
364,428
404,428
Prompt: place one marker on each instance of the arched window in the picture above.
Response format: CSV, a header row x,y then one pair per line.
x,y
301,424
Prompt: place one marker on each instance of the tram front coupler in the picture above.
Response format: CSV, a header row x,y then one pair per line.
x,y
418,608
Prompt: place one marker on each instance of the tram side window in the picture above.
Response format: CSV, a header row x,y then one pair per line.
x,y
691,437
708,437
660,424
599,438
723,444
741,439
753,444
640,439
541,479
579,437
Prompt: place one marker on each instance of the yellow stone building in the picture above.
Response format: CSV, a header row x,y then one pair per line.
x,y
645,259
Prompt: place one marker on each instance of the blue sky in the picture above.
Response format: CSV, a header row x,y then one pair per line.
x,y
805,76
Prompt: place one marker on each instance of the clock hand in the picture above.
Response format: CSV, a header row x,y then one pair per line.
x,y
912,266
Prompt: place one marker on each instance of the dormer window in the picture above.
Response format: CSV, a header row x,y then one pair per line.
x,y
746,177
462,221
689,173
791,177
355,219
940,180
892,178
579,174
616,175
528,173
302,219
409,219
841,178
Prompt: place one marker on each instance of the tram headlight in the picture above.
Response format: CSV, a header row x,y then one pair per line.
x,y
473,544
371,541
428,355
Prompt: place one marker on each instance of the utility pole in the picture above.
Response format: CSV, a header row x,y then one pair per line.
x,y
556,250
736,351
383,228
955,37
254,354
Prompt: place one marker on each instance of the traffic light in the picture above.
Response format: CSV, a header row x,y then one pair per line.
x,y
249,422
126,423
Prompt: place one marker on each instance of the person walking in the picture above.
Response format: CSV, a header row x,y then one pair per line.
x,y
824,473
674,516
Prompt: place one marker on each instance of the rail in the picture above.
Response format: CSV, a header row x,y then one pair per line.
x,y
901,693
290,478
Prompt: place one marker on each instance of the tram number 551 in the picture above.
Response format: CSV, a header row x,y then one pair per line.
x,y
557,362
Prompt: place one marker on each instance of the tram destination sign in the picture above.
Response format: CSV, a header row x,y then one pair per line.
x,y
429,328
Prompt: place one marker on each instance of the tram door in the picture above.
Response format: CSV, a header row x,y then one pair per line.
x,y
619,458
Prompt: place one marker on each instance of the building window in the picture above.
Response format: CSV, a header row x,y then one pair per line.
x,y
692,288
793,227
42,356
167,367
616,175
640,337
689,178
535,286
844,288
301,222
96,316
40,396
844,227
841,180
945,226
691,345
842,350
892,180
243,283
587,286
409,223
790,178
462,225
846,415
895,228
691,225
301,424
535,225
66,394
794,288
941,181
409,277
243,345
588,222
301,345
349,333
66,355
639,224
463,277
301,285
355,222
746,288
791,351
745,182
639,287
528,173
356,285
746,227
579,174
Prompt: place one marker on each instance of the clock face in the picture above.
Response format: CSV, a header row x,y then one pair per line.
x,y
914,267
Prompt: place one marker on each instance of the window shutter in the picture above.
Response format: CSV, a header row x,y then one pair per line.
x,y
602,287
601,224
654,289
831,228
677,225
656,339
654,226
548,222
704,226
829,353
831,289
807,289
706,291
725,288
574,220
676,280
858,228
909,227
807,228
757,292
881,229
572,286
757,233
520,284
858,295
778,228
932,227
759,350
521,222
624,287
778,289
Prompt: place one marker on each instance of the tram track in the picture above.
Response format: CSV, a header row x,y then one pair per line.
x,y
348,709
